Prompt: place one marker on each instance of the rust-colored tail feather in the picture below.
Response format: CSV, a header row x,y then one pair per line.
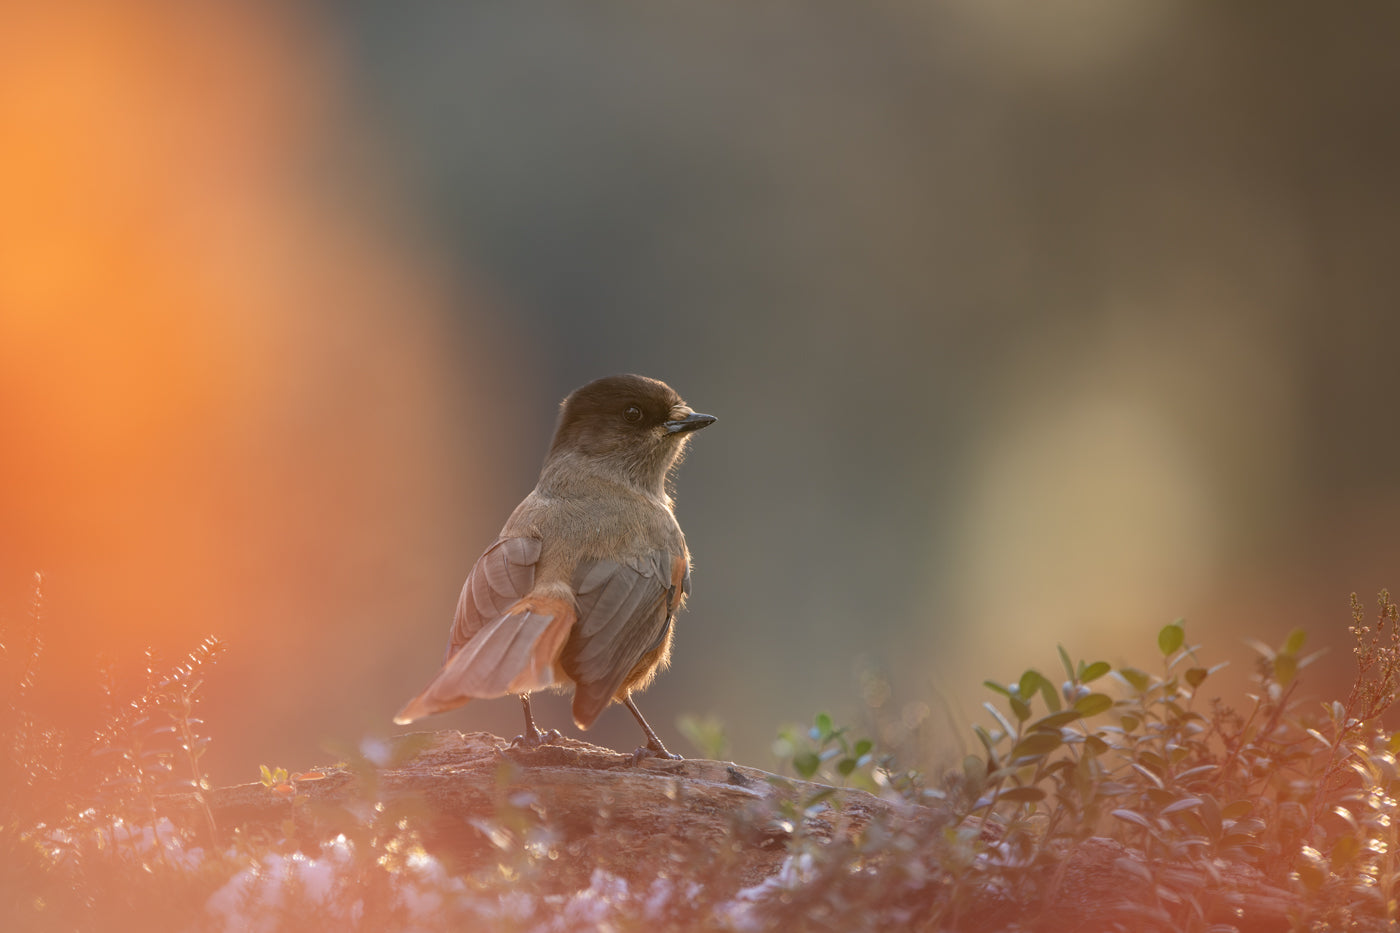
x,y
517,653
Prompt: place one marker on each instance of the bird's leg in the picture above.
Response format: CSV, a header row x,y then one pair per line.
x,y
533,737
653,748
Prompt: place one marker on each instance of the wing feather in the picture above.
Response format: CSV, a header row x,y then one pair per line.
x,y
502,640
513,654
623,609
501,578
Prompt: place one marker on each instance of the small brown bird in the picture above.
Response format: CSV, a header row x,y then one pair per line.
x,y
583,584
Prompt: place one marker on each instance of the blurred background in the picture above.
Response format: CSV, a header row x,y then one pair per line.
x,y
1024,323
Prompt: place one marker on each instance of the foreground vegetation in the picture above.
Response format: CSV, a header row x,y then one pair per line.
x,y
1102,798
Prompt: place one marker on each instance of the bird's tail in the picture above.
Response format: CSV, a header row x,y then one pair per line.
x,y
517,653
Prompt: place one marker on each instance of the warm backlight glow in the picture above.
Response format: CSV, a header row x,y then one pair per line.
x,y
225,398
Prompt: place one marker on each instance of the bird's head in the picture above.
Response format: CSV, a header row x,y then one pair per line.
x,y
629,428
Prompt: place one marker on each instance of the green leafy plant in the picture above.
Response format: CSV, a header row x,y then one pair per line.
x,y
1302,797
707,734
827,753
1131,783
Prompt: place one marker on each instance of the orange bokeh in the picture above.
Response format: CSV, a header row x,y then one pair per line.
x,y
223,390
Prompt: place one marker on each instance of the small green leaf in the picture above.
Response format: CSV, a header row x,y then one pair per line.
x,y
1093,672
1064,659
1132,816
1348,817
1135,678
1185,803
1092,704
1320,737
1312,877
706,734
1211,816
1285,668
806,763
266,775
1259,647
993,685
823,726
846,765
1171,638
1344,851
1030,683
1194,824
1020,709
1294,642
1159,796
1196,676
863,748
1237,809
1037,745
1022,794
1147,773
1195,772
1002,721
1240,841
1055,720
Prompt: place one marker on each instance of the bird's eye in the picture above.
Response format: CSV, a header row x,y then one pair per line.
x,y
633,414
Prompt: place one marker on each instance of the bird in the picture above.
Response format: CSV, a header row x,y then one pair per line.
x,y
583,583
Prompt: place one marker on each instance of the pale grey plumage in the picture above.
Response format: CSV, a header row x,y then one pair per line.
x,y
584,581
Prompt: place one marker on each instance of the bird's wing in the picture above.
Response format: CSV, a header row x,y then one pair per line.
x,y
624,614
502,576
503,640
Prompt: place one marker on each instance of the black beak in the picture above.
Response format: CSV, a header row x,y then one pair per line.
x,y
691,422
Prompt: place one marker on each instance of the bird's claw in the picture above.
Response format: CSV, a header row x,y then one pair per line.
x,y
652,751
536,738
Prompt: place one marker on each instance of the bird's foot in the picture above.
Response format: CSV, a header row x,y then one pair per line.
x,y
652,750
654,747
534,738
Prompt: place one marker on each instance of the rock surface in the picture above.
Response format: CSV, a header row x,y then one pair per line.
x,y
592,807
578,809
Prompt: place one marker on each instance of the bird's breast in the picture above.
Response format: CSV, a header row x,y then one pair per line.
x,y
618,525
